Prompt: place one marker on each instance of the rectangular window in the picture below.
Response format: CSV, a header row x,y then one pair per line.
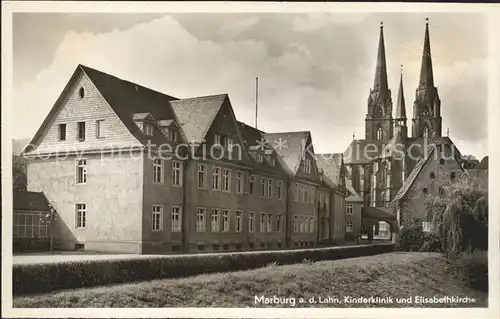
x,y
217,139
306,224
303,194
202,176
157,218
225,221
62,132
262,187
296,192
311,224
173,135
279,189
260,158
302,224
216,176
306,194
295,224
158,171
311,195
278,223
269,223
262,222
200,219
251,222
176,218
272,161
226,180
349,209
99,128
215,220
81,171
81,216
251,185
228,144
238,225
148,129
307,166
269,188
81,131
239,182
176,173
349,226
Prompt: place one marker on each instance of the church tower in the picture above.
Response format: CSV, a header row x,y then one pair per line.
x,y
400,125
378,122
426,120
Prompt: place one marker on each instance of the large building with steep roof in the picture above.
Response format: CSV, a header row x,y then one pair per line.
x,y
130,169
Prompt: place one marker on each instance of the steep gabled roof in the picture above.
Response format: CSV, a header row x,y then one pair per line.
x,y
252,138
413,175
128,98
353,195
196,115
330,166
293,146
24,200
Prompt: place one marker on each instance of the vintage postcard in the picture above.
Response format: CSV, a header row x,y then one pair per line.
x,y
250,160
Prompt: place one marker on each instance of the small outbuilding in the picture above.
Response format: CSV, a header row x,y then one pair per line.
x,y
31,229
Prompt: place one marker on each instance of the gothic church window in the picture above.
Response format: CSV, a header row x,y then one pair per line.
x,y
379,133
426,131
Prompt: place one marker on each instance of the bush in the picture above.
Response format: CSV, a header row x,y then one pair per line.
x,y
472,269
431,242
411,238
39,278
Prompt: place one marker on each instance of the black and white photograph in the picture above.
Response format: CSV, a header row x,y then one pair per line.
x,y
249,159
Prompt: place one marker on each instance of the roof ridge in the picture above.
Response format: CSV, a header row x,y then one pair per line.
x,y
126,81
214,96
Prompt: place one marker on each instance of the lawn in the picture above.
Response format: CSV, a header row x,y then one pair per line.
x,y
396,275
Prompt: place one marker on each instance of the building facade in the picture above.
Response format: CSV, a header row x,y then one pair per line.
x,y
132,170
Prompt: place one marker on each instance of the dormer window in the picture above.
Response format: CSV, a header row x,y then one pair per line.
x,y
144,122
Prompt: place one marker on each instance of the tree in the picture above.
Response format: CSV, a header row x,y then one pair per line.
x,y
49,219
19,167
459,215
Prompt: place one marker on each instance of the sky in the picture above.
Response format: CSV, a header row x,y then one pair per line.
x,y
315,70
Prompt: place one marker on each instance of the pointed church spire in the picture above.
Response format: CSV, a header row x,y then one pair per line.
x,y
400,106
380,83
426,74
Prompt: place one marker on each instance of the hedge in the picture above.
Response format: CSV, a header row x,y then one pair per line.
x,y
46,277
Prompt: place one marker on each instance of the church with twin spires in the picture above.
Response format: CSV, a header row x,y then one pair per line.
x,y
390,168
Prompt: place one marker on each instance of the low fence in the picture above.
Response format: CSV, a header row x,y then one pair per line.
x,y
40,278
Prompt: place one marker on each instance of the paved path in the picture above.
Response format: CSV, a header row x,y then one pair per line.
x,y
65,257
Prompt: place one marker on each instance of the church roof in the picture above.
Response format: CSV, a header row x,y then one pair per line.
x,y
400,104
380,83
426,73
363,151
